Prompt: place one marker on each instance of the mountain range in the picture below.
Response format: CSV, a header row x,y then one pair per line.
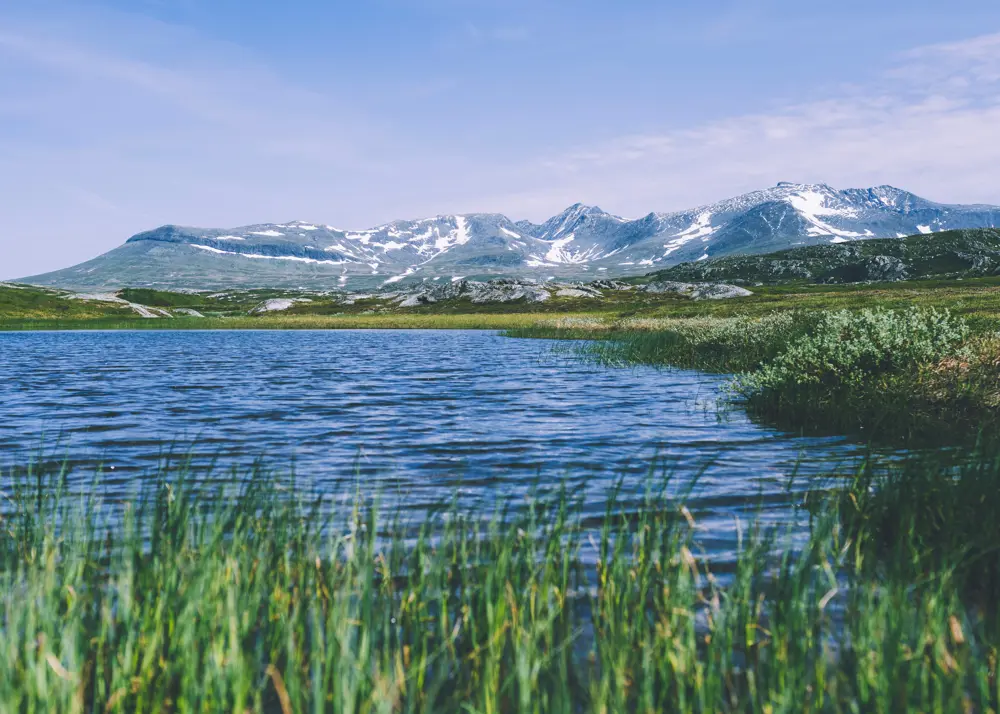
x,y
581,243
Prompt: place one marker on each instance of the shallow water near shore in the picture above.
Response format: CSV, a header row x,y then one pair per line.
x,y
416,416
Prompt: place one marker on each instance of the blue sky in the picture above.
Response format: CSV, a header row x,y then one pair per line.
x,y
119,116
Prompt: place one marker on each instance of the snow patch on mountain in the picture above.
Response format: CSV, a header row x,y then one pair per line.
x,y
701,228
257,256
811,204
459,235
557,254
396,278
462,230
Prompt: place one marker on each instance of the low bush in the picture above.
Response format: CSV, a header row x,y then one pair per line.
x,y
852,350
884,373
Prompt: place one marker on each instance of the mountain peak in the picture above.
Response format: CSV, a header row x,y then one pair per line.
x,y
582,209
887,196
796,186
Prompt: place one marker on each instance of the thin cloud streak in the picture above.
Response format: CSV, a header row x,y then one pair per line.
x,y
930,124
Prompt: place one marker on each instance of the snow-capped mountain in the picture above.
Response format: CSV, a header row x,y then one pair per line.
x,y
582,242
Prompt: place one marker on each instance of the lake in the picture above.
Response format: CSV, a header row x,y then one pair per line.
x,y
416,416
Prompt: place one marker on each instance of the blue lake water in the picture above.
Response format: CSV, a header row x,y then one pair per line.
x,y
414,415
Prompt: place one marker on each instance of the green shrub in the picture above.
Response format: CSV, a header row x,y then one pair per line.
x,y
852,349
883,374
864,373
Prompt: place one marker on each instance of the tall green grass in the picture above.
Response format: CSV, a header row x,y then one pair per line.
x,y
729,344
254,597
937,515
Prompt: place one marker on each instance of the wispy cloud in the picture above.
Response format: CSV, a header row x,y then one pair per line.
x,y
930,123
242,98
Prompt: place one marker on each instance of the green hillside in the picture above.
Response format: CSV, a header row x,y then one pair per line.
x,y
946,255
30,302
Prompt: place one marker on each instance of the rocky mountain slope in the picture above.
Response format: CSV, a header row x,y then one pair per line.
x,y
951,254
581,243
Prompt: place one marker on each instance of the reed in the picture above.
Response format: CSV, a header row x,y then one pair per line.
x,y
257,596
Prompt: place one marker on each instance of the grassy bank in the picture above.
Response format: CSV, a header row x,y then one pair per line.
x,y
442,321
883,374
263,600
23,307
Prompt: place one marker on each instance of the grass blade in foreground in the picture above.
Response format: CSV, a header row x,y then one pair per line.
x,y
184,600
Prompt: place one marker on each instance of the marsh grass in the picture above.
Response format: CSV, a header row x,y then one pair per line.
x,y
257,597
937,515
401,321
916,375
730,344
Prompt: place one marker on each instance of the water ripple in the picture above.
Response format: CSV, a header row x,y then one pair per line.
x,y
417,412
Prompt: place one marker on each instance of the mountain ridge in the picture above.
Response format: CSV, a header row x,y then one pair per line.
x,y
959,254
581,242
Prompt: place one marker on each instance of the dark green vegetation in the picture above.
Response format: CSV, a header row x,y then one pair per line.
x,y
925,518
946,255
160,298
881,374
257,598
22,302
913,374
